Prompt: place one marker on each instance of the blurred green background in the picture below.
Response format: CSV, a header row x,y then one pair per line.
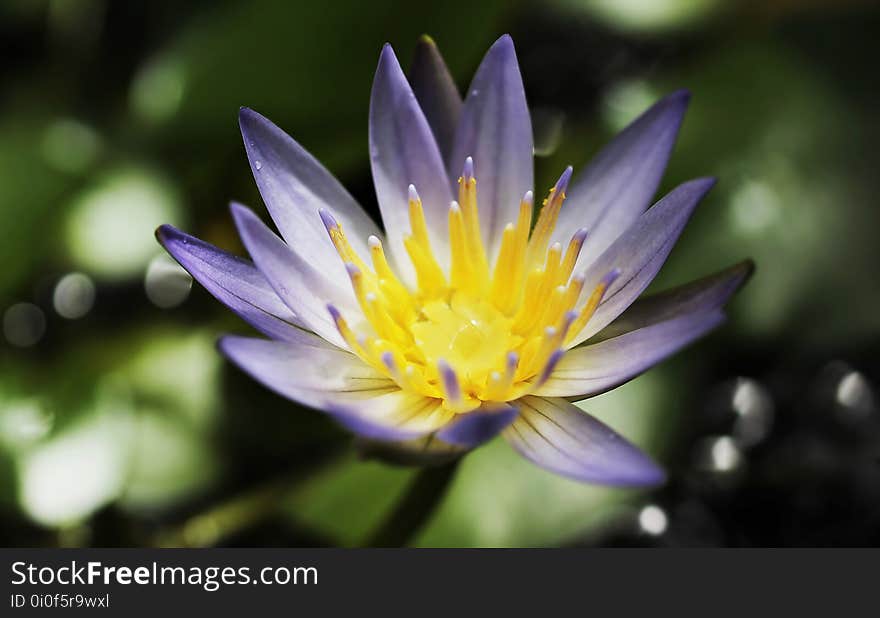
x,y
120,424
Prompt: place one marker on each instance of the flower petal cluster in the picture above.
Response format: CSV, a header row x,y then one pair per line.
x,y
471,314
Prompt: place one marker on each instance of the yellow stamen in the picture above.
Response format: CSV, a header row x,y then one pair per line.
x,y
337,236
431,279
547,218
419,383
572,253
417,220
358,285
513,282
548,343
478,334
382,322
467,200
380,263
591,305
460,270
346,332
555,306
531,301
504,267
401,302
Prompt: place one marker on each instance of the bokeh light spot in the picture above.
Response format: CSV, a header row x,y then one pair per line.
x,y
719,454
653,520
725,454
158,89
110,229
24,324
648,15
754,412
66,479
547,127
625,100
167,284
23,422
74,296
70,146
855,396
755,207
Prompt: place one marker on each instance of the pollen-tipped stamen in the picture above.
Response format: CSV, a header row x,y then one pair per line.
x,y
454,398
449,382
547,218
571,254
460,264
358,285
380,262
337,236
513,282
467,200
345,331
417,220
549,343
548,368
592,303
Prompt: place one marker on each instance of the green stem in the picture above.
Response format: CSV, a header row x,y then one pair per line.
x,y
415,507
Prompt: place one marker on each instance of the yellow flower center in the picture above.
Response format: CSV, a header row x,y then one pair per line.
x,y
479,333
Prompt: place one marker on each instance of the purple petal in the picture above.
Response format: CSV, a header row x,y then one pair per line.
x,y
703,295
308,374
436,92
496,130
640,252
619,183
338,383
235,282
564,439
396,415
403,151
474,428
294,186
593,369
302,287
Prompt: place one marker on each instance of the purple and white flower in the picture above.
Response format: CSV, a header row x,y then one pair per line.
x,y
463,320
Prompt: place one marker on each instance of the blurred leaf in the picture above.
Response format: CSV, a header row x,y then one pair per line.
x,y
303,66
30,193
8,481
348,499
180,370
784,146
170,462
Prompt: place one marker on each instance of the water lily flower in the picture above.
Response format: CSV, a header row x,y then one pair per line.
x,y
463,320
